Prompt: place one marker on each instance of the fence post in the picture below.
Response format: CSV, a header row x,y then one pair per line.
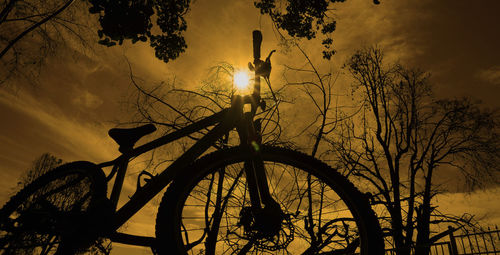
x,y
492,239
454,250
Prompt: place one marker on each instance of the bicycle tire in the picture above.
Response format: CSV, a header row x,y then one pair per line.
x,y
56,213
172,225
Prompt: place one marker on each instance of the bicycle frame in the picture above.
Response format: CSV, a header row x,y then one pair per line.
x,y
224,121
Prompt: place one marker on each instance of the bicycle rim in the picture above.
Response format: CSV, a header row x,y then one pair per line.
x,y
208,211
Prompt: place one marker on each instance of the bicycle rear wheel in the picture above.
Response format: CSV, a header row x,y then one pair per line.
x,y
207,210
56,213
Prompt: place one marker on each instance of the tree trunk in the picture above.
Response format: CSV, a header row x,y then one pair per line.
x,y
423,218
397,232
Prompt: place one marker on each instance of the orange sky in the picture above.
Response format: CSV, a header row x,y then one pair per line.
x,y
78,100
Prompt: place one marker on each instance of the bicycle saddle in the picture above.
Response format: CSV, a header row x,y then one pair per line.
x,y
127,137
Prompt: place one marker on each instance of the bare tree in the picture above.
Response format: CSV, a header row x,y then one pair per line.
x,y
404,137
317,87
31,30
39,167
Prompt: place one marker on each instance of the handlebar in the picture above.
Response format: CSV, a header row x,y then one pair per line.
x,y
257,41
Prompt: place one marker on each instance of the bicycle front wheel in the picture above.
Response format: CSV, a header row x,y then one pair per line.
x,y
207,210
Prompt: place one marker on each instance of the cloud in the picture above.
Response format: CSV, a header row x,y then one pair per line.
x,y
75,136
87,100
477,203
491,75
31,127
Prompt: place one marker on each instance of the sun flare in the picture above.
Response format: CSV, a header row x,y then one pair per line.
x,y
241,79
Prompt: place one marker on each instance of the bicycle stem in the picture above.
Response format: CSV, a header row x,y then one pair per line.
x,y
257,41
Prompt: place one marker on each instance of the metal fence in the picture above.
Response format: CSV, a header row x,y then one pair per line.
x,y
441,248
468,243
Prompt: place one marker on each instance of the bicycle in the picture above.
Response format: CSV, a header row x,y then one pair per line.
x,y
253,198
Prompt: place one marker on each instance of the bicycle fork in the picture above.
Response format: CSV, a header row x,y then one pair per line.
x,y
255,172
265,216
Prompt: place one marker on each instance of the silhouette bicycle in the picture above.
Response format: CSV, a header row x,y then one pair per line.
x,y
252,198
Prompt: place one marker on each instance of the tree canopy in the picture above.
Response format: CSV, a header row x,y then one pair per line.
x,y
132,20
302,19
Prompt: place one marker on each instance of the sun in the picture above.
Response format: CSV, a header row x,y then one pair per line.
x,y
241,79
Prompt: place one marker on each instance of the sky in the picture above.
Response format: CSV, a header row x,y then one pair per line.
x,y
80,96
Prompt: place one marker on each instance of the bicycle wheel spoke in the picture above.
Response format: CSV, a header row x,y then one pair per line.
x,y
49,247
64,185
280,178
